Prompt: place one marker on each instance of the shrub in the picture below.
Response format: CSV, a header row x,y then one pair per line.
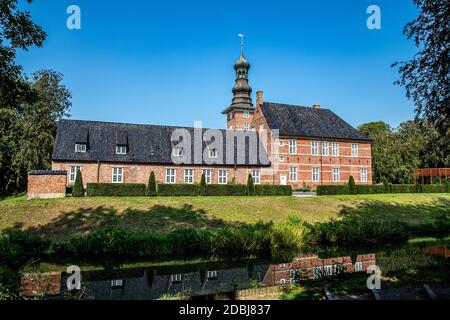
x,y
272,190
115,189
331,190
403,188
433,188
352,185
203,191
369,189
226,190
250,186
151,187
178,189
386,186
77,190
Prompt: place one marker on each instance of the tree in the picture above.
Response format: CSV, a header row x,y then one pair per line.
x,y
203,190
77,190
250,186
426,76
151,187
352,185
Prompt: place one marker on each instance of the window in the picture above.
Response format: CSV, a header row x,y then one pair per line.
x,y
292,274
358,266
292,146
261,126
175,278
282,281
292,174
336,175
211,274
178,152
230,116
222,177
188,175
246,114
212,153
335,149
354,149
116,283
315,174
317,271
314,148
117,175
328,270
73,173
246,126
207,173
80,147
281,143
121,150
281,158
171,175
363,175
256,176
325,149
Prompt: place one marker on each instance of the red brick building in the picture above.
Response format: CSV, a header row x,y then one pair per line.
x,y
296,145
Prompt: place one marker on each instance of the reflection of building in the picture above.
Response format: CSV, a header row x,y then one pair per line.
x,y
439,251
206,279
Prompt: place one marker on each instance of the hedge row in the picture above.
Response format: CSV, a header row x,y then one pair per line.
x,y
115,189
272,190
178,189
389,188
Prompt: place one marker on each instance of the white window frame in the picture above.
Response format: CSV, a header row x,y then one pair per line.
x,y
246,114
315,174
221,177
207,173
336,175
117,174
358,266
314,148
354,148
116,283
335,149
328,270
121,149
292,146
281,158
293,174
363,174
176,277
283,281
80,147
261,126
256,176
177,152
189,176
211,274
325,146
281,143
170,175
231,115
73,172
246,126
317,272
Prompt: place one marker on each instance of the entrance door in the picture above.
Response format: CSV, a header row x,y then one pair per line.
x,y
283,180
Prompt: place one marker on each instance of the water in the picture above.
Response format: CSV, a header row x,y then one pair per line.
x,y
408,265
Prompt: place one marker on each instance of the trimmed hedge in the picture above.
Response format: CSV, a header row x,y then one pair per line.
x,y
226,190
178,189
376,189
115,189
272,190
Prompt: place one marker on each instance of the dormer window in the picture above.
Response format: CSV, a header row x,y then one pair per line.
x,y
121,149
178,152
80,147
246,114
212,153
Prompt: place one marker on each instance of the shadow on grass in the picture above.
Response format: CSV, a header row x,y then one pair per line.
x,y
158,218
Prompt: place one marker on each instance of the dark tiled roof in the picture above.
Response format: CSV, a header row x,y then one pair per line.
x,y
145,143
47,172
308,122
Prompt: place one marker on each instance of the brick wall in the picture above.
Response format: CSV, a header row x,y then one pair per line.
x,y
46,185
237,120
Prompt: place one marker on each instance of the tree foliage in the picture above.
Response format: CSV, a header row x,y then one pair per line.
x,y
151,187
78,190
250,186
203,188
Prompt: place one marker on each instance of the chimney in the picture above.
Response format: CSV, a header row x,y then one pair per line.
x,y
316,106
259,97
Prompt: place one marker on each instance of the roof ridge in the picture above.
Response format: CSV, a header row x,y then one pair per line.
x,y
295,105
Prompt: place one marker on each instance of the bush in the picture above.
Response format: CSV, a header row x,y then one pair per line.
x,y
331,190
386,186
352,185
151,188
250,186
203,191
369,189
403,188
178,189
115,189
434,188
226,190
272,190
77,190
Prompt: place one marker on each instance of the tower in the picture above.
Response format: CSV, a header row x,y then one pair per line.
x,y
240,112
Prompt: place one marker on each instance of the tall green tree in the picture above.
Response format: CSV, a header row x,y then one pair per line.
x,y
250,186
426,76
151,187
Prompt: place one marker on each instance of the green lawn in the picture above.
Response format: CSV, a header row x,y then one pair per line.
x,y
59,218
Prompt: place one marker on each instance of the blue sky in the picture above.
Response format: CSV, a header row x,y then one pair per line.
x,y
171,62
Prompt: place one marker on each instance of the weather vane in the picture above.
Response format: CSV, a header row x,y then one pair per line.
x,y
241,35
